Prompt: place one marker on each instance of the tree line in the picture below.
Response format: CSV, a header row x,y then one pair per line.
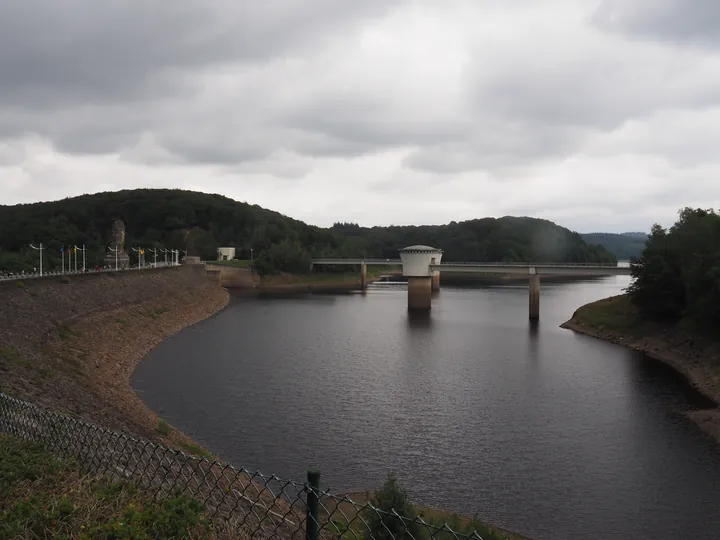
x,y
678,274
199,223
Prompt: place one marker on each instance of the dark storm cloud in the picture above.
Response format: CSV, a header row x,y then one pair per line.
x,y
681,21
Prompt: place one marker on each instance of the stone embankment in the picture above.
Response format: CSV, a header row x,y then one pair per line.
x,y
695,357
71,344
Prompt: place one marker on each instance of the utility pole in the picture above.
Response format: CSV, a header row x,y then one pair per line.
x,y
40,249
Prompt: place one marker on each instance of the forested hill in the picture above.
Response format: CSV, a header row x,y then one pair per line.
x,y
198,223
624,246
505,239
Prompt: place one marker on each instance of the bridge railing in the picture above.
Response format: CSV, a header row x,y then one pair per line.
x,y
360,260
532,264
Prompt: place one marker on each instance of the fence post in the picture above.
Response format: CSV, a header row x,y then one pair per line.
x,y
313,490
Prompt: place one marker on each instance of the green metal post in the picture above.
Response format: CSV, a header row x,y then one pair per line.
x,y
313,497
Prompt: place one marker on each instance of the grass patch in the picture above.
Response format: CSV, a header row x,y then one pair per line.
x,y
163,428
65,279
20,284
237,263
66,332
10,354
155,313
197,451
121,321
349,525
616,314
45,497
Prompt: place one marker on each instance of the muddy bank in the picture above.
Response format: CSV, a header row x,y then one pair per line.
x,y
695,357
72,344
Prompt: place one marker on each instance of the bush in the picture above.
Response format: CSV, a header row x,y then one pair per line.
x,y
386,526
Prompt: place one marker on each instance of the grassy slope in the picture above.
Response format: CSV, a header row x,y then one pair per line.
x,y
695,355
42,496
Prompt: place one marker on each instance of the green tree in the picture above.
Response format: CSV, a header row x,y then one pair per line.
x,y
678,273
287,256
394,521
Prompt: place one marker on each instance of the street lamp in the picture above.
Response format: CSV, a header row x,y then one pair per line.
x,y
116,255
139,252
154,252
40,249
83,249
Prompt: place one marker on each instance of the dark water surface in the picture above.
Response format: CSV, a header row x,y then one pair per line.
x,y
539,430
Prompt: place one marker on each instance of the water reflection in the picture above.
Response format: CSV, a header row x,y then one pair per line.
x,y
419,320
537,429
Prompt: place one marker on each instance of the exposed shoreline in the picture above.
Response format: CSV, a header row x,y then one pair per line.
x,y
695,358
76,345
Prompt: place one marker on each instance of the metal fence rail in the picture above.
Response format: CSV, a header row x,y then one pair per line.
x,y
261,506
14,276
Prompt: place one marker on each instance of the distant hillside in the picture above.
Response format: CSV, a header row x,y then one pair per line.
x,y
624,246
199,223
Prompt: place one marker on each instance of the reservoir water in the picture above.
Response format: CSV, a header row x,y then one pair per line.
x,y
534,428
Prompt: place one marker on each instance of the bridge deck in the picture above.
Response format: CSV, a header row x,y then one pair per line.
x,y
556,269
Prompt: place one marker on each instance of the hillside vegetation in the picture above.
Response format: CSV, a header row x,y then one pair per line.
x,y
198,223
678,275
624,246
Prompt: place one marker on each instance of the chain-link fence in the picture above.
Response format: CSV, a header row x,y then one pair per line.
x,y
262,506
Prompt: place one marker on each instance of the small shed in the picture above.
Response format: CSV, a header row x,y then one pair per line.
x,y
225,253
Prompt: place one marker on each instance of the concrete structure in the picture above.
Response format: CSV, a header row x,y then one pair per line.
x,y
422,266
363,277
417,262
116,256
231,277
534,293
225,253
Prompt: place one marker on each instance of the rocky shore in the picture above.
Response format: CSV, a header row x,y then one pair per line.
x,y
71,344
695,357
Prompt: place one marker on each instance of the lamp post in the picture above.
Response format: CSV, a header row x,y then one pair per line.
x,y
139,256
40,249
83,249
154,252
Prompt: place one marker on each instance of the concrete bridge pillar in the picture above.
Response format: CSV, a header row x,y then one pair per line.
x,y
416,267
363,276
436,281
534,289
419,293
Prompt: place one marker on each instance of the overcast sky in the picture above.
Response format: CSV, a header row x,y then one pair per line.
x,y
599,115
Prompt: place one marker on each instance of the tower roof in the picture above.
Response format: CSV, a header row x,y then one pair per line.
x,y
422,248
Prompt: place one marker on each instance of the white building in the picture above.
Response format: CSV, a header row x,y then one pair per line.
x,y
225,253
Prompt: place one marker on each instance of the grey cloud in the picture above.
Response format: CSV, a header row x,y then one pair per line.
x,y
57,52
682,21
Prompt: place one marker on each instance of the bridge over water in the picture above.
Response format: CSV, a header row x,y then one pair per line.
x,y
422,265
